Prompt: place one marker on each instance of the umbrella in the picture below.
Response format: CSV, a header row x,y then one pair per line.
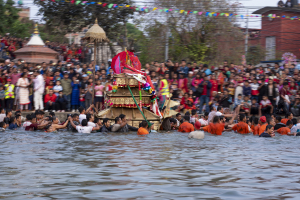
x,y
95,34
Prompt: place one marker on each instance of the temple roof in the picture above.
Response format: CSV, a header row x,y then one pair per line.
x,y
35,51
36,40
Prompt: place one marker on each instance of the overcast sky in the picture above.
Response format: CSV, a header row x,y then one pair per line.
x,y
250,5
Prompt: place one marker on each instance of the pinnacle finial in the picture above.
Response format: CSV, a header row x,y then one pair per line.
x,y
96,21
36,30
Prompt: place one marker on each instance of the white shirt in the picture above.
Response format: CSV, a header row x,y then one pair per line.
x,y
92,124
39,84
26,124
203,122
57,87
218,113
254,86
2,116
211,115
295,128
81,117
84,129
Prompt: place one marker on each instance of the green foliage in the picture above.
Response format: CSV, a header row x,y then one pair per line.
x,y
192,37
20,29
62,18
10,22
47,35
255,54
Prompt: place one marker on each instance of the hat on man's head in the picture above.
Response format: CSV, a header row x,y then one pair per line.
x,y
85,75
197,125
263,119
9,80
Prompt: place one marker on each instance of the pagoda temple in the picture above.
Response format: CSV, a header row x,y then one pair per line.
x,y
35,51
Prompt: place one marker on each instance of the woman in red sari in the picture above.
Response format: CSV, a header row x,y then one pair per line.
x,y
214,84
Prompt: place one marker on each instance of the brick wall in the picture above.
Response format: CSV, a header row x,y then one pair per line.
x,y
286,31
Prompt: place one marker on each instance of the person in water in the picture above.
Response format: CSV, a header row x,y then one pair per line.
x,y
242,127
75,118
269,132
32,125
278,123
13,125
127,127
106,127
83,128
263,124
217,127
2,126
143,130
256,126
55,126
287,130
9,114
296,127
186,126
288,116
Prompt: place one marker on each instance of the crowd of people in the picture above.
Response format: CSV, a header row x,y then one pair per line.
x,y
214,122
66,53
68,86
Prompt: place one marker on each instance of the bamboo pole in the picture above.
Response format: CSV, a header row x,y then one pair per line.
x,y
94,70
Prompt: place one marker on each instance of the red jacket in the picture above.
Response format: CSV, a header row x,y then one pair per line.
x,y
50,98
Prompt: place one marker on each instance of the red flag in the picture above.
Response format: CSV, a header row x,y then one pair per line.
x,y
103,5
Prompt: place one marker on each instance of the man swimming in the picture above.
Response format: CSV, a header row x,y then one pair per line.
x,y
55,126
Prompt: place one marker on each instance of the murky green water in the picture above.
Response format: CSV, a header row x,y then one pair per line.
x,y
38,165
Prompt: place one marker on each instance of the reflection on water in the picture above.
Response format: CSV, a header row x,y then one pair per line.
x,y
38,165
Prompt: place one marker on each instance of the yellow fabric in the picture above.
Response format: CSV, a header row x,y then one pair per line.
x,y
165,89
12,93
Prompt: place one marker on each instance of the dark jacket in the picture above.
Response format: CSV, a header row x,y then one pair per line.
x,y
61,99
127,128
246,90
279,125
264,134
224,102
208,87
105,129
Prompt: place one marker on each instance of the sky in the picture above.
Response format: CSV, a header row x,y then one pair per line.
x,y
250,5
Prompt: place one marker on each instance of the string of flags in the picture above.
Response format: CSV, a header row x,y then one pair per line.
x,y
158,9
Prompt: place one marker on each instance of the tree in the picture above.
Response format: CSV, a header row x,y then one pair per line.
x,y
255,54
62,18
10,19
194,37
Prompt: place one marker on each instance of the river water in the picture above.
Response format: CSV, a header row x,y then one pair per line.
x,y
38,165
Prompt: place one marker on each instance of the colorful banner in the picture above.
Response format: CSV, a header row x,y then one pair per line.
x,y
167,10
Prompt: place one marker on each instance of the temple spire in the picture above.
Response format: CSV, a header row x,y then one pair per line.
x,y
36,30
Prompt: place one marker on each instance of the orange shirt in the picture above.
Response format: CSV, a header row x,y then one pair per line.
x,y
186,127
262,128
241,127
142,131
284,121
216,129
256,130
283,130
